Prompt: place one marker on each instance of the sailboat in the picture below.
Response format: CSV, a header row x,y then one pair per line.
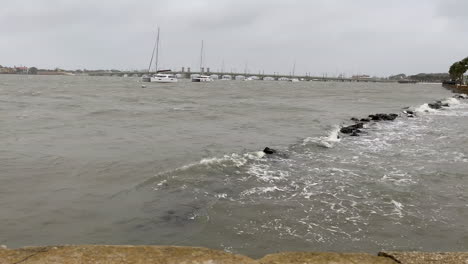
x,y
161,76
201,77
293,72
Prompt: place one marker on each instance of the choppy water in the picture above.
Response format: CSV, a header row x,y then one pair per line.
x,y
88,160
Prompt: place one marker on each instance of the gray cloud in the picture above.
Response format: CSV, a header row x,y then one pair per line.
x,y
323,36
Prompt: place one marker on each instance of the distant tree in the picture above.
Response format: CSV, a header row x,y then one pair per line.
x,y
32,70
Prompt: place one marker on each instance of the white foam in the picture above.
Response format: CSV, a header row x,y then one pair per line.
x,y
261,190
425,109
451,101
238,160
398,208
328,141
262,172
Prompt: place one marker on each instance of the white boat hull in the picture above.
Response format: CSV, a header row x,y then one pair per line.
x,y
164,80
202,79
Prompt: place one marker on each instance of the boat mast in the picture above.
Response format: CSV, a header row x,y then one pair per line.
x,y
201,58
294,68
157,51
156,44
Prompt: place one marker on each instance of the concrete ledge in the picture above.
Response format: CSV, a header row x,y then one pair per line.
x,y
324,258
425,257
192,255
119,254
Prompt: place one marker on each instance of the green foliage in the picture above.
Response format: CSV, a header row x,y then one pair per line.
x,y
458,69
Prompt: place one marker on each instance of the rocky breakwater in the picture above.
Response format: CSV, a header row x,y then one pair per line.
x,y
356,129
361,124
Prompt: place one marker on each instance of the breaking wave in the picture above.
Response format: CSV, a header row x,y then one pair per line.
x,y
323,190
327,141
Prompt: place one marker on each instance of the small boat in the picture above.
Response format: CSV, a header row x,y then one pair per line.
x,y
294,80
202,78
145,78
164,78
268,78
226,78
251,78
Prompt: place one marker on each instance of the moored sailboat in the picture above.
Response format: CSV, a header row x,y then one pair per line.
x,y
201,77
161,76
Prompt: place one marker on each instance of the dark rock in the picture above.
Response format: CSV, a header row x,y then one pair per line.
x,y
352,128
445,105
436,105
365,120
358,125
269,151
354,119
385,117
347,130
408,112
354,134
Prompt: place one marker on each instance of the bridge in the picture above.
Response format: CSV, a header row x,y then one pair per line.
x,y
186,74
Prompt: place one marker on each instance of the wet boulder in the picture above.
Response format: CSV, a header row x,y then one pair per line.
x,y
354,119
383,117
366,120
351,129
436,105
346,130
269,151
358,125
409,113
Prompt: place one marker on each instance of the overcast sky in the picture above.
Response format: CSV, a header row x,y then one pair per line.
x,y
373,37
